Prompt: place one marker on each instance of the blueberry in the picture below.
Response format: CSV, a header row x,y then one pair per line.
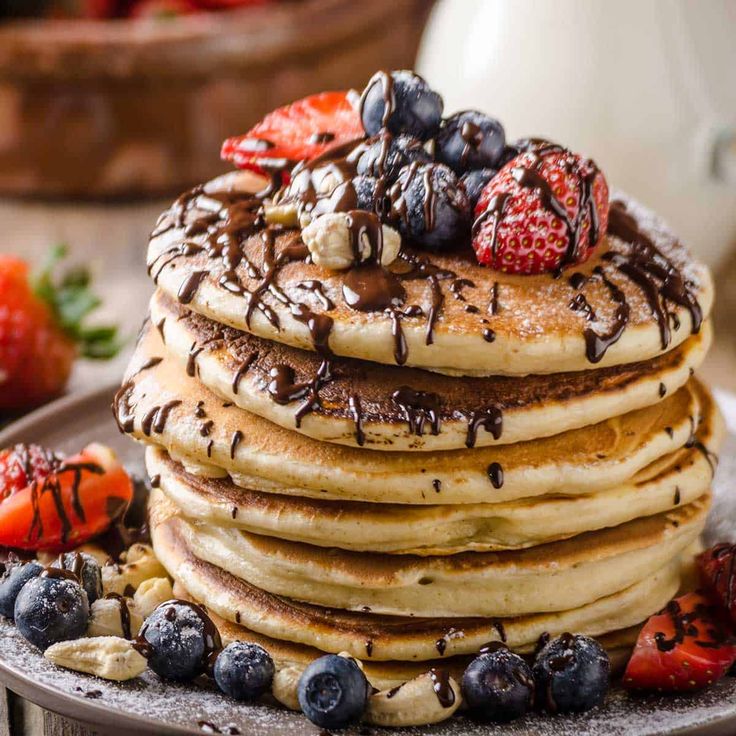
x,y
181,637
474,183
385,155
50,609
510,152
16,575
333,692
429,206
470,140
571,673
413,107
498,686
368,196
87,570
243,671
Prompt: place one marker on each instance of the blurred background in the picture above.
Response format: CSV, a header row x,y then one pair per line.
x,y
110,108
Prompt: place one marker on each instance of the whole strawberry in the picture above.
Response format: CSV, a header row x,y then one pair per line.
x,y
42,332
545,209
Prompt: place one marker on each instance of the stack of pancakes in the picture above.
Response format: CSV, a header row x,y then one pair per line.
x,y
491,457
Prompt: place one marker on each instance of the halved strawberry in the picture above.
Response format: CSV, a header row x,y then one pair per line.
x,y
297,132
63,502
717,568
163,9
545,209
688,646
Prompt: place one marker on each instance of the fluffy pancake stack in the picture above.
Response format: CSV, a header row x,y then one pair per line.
x,y
488,457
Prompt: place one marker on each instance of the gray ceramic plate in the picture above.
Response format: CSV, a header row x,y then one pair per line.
x,y
148,706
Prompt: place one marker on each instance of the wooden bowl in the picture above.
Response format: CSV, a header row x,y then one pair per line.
x,y
131,108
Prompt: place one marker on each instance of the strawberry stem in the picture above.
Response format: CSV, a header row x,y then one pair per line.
x,y
71,301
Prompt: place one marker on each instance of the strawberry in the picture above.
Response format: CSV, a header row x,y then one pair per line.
x,y
48,502
545,209
296,132
42,330
22,464
687,646
717,568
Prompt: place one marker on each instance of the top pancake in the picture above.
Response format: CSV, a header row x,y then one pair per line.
x,y
209,252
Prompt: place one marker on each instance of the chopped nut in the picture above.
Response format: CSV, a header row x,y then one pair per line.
x,y
140,564
151,594
281,214
109,657
415,703
107,617
285,685
328,240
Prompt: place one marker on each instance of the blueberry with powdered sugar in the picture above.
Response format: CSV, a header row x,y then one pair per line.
x,y
179,638
244,671
51,608
16,575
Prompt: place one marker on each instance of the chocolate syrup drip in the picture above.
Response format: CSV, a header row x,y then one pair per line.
x,y
356,412
150,363
457,286
490,419
236,439
472,137
437,485
317,288
206,428
242,370
495,473
401,350
283,389
124,613
658,277
580,304
51,484
662,390
372,288
199,411
489,335
392,692
442,688
419,408
677,498
155,419
210,445
369,648
189,287
493,304
710,456
495,209
387,89
597,344
441,646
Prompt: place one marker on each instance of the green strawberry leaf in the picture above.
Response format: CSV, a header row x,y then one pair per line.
x,y
71,301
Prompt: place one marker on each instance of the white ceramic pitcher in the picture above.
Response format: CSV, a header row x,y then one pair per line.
x,y
645,87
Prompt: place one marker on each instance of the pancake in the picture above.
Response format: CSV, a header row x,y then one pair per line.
x,y
676,479
552,577
390,408
370,636
210,252
160,404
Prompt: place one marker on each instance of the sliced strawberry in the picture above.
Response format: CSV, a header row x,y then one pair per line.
x,y
64,502
22,464
717,568
545,209
688,646
296,132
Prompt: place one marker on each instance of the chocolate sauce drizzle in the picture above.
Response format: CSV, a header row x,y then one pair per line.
x,y
442,688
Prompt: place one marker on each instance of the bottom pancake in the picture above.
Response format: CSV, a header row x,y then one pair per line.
x,y
379,638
